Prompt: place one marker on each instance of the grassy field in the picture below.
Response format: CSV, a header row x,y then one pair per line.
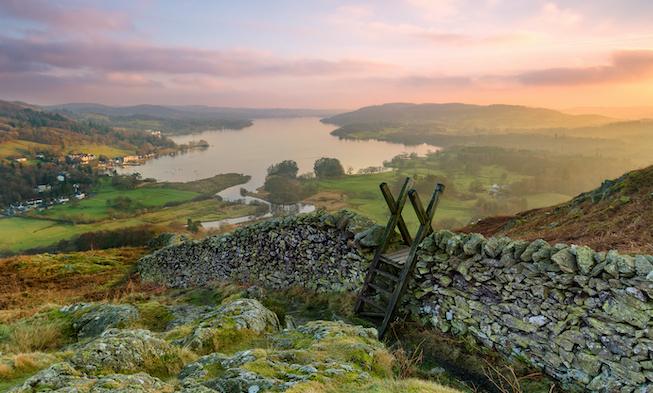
x,y
210,210
40,229
17,233
22,148
361,192
546,199
19,148
97,150
96,207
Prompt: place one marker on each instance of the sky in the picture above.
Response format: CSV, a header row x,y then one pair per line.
x,y
326,54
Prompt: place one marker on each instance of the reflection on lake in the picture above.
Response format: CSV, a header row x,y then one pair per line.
x,y
268,141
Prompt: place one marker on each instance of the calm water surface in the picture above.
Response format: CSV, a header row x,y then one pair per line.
x,y
268,141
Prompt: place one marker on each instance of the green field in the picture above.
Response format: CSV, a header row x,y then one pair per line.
x,y
361,192
96,207
546,199
20,148
97,150
210,210
18,233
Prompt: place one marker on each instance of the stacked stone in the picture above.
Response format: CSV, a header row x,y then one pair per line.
x,y
320,251
579,315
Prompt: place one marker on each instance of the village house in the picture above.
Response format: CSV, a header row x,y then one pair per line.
x,y
42,188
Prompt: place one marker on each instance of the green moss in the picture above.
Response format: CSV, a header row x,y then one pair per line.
x,y
360,357
214,371
302,343
228,340
154,316
261,367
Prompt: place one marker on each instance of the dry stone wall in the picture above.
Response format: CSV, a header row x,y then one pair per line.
x,y
321,251
582,316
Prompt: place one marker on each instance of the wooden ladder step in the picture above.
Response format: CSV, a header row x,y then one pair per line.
x,y
387,275
390,262
380,289
374,304
372,314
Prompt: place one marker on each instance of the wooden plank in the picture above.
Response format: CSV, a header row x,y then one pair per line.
x,y
386,274
397,254
372,314
394,209
381,289
374,304
391,263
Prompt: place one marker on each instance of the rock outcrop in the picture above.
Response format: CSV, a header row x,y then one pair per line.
x,y
121,360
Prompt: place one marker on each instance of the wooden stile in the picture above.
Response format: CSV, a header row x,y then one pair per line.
x,y
387,284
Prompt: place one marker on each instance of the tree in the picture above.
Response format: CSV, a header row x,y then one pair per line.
x,y
328,167
476,186
287,168
282,190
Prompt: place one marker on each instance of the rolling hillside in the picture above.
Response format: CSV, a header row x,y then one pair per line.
x,y
465,116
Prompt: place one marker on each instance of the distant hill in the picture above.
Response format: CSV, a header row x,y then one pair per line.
x,y
467,116
190,111
616,216
626,112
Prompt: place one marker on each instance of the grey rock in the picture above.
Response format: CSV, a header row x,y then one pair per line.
x,y
566,260
473,244
122,351
91,319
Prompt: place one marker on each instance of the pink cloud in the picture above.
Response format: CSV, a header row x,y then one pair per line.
x,y
551,14
627,65
67,20
203,82
444,38
130,80
32,54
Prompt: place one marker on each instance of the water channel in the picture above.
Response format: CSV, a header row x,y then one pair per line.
x,y
252,150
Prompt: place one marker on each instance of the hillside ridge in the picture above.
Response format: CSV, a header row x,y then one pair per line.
x,y
612,216
494,116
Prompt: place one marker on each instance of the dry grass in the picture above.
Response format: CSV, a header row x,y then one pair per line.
x,y
28,282
36,335
407,363
382,363
508,382
22,364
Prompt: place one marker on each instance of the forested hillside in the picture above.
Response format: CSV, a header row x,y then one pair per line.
x,y
51,136
27,124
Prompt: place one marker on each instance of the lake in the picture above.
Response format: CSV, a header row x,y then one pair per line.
x,y
252,150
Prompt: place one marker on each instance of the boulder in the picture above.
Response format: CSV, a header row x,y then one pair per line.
x,y
91,319
238,314
125,351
